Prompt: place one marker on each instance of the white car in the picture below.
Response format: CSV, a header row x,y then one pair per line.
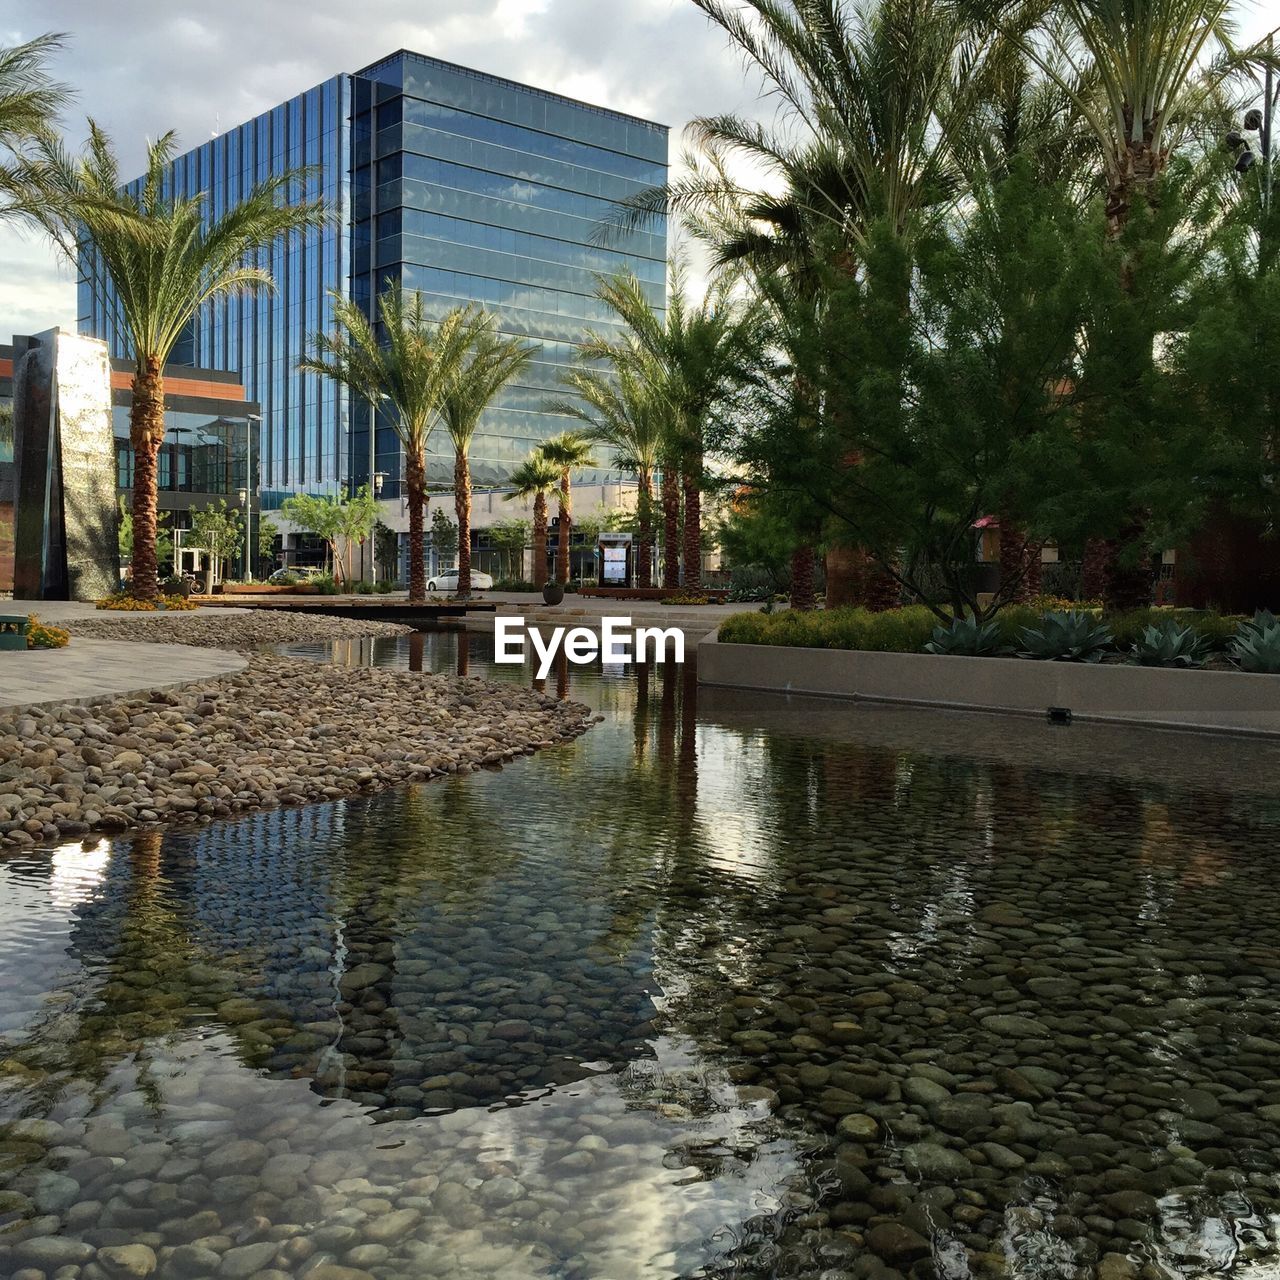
x,y
447,580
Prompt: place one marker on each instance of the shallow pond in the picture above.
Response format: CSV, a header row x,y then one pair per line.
x,y
728,987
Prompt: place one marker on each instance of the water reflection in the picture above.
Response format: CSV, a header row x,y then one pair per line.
x,y
725,988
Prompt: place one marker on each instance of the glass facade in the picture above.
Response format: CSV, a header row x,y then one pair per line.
x,y
202,452
472,189
462,186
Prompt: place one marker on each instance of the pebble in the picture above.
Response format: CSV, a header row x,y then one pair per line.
x,y
283,731
127,1261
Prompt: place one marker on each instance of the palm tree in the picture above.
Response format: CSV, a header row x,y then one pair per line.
x,y
157,260
876,103
565,452
490,363
535,478
1141,77
875,98
694,355
624,413
413,369
29,103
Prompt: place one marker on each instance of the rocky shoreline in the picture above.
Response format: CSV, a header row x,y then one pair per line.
x,y
282,731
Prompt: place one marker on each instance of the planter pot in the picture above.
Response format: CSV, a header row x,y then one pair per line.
x,y
552,593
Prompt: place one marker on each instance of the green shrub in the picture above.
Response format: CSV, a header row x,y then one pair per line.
x,y
383,588
325,584
966,638
513,584
1169,643
1257,646
893,631
1218,629
363,588
1127,629
1066,637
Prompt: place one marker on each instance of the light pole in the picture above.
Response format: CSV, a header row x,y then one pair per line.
x,y
375,477
249,487
378,478
1259,122
244,555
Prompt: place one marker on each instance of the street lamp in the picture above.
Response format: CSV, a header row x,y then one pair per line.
x,y
1259,122
248,489
375,477
244,555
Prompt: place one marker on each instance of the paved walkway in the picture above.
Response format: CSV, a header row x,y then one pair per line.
x,y
587,611
575,611
91,670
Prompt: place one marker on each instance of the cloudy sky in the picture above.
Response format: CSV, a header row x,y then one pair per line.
x,y
143,66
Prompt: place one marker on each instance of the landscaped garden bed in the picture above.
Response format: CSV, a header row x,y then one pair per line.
x,y
1028,631
1210,675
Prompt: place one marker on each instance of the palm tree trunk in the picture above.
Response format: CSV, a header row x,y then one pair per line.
x,y
670,529
1141,166
644,514
462,505
1020,574
1098,554
146,432
1102,576
539,540
416,482
846,569
802,593
566,519
690,481
1128,579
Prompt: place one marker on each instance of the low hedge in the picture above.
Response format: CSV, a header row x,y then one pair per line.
x,y
907,630
893,631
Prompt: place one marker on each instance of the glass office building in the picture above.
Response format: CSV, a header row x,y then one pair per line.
x,y
462,186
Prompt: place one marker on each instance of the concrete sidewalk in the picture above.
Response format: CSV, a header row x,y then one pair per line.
x,y
586,611
91,670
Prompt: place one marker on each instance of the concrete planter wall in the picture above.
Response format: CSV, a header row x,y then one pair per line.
x,y
1220,701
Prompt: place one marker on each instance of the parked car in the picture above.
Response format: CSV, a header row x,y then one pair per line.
x,y
296,573
447,580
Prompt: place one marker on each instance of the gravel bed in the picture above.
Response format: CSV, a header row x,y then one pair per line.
x,y
282,731
214,630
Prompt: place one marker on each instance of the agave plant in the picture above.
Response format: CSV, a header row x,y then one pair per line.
x,y
1261,620
1066,637
966,638
1170,644
1257,646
